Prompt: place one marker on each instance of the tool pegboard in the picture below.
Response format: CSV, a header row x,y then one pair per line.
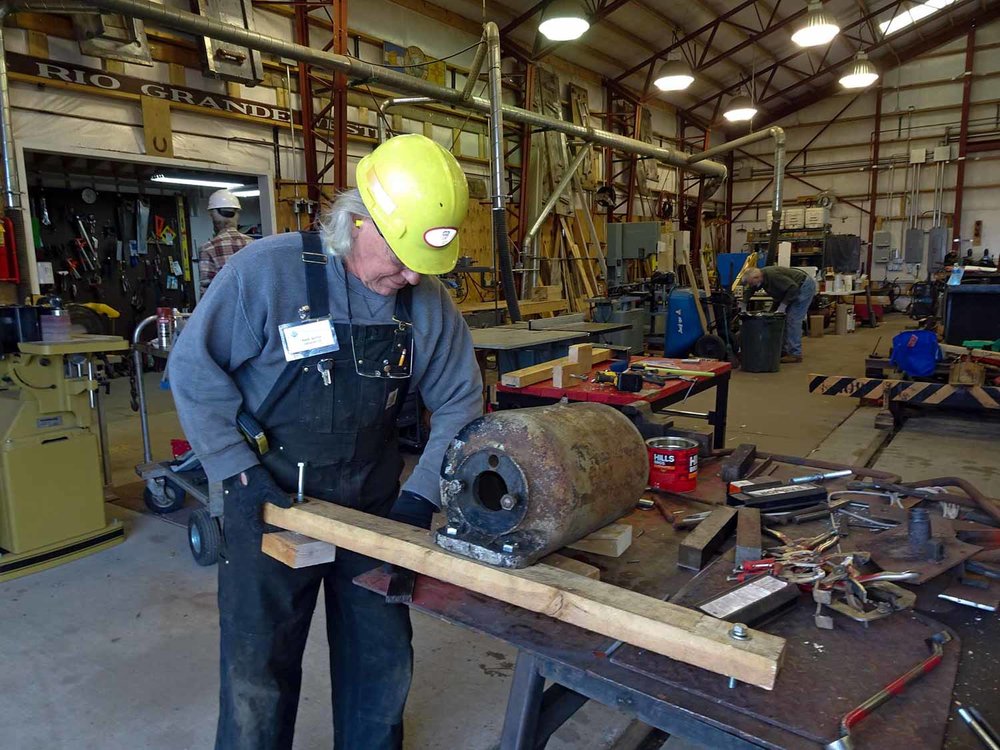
x,y
122,249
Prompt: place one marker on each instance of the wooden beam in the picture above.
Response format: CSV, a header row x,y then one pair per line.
x,y
297,550
643,621
546,370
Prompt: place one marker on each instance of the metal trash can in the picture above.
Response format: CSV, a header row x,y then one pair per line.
x,y
761,336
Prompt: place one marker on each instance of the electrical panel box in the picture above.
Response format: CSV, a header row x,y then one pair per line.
x,y
795,218
918,155
942,153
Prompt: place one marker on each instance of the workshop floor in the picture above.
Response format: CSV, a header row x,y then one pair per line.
x,y
118,650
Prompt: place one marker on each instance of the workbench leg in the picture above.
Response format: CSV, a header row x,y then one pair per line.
x,y
523,705
721,411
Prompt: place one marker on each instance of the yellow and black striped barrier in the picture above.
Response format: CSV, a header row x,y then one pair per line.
x,y
914,394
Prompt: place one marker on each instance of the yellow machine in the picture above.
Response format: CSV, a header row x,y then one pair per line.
x,y
51,488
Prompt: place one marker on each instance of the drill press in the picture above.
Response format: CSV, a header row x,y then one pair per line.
x,y
51,489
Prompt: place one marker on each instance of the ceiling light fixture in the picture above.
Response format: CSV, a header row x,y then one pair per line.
x,y
861,74
254,193
195,182
563,21
820,27
741,108
674,75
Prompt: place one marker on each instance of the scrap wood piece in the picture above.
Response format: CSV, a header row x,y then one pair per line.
x,y
543,371
661,627
580,361
610,541
748,535
572,566
297,550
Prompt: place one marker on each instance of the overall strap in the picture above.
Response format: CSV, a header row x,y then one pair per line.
x,y
314,262
404,304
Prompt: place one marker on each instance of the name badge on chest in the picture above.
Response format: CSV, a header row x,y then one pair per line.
x,y
308,338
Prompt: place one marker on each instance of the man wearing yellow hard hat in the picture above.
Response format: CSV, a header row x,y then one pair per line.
x,y
316,339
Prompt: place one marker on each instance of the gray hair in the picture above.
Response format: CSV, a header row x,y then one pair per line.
x,y
336,222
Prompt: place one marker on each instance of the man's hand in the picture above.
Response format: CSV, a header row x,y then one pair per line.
x,y
253,488
413,509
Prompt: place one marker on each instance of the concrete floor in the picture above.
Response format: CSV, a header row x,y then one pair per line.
x,y
118,650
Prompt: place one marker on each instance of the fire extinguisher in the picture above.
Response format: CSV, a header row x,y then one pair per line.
x,y
9,270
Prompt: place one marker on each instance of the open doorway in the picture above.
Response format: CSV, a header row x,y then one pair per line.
x,y
125,232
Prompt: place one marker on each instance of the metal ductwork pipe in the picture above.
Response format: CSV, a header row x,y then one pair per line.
x,y
491,35
396,101
778,134
519,484
191,23
11,188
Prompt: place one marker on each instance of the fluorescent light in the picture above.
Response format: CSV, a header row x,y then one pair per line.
x,y
820,27
900,21
861,74
740,109
674,75
255,193
563,21
194,181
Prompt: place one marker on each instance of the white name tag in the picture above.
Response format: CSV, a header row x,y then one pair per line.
x,y
308,338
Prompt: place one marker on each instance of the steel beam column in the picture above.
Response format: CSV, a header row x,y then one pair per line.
x,y
876,145
309,155
963,139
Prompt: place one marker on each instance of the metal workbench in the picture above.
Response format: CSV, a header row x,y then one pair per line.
x,y
825,673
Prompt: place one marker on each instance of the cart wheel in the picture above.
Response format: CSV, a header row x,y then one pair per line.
x,y
204,537
710,346
170,499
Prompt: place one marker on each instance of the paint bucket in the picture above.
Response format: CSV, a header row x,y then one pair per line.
x,y
673,464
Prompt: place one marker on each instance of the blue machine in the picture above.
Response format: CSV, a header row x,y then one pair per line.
x,y
729,264
683,326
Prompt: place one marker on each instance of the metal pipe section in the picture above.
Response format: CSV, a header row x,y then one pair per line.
x,y
778,134
501,242
147,452
564,183
11,187
474,71
393,102
359,70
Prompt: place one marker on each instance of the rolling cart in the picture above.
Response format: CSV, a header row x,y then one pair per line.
x,y
167,490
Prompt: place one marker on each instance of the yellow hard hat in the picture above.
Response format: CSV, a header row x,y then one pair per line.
x,y
418,197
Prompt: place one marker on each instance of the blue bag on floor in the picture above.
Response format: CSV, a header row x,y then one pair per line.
x,y
915,352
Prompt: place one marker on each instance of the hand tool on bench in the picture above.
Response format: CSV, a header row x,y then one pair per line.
x,y
853,718
980,727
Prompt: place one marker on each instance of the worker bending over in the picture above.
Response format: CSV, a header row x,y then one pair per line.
x,y
319,337
224,208
791,291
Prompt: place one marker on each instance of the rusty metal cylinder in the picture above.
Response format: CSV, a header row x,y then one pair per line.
x,y
517,485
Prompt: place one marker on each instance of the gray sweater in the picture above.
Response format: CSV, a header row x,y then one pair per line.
x,y
229,354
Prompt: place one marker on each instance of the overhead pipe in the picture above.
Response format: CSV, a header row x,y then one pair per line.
x,y
396,101
778,134
360,70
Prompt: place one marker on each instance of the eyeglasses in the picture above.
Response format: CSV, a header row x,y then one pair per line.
x,y
388,248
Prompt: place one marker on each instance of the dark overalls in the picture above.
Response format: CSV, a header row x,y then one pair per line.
x,y
345,432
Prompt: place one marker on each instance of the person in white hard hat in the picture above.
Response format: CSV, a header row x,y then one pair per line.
x,y
224,208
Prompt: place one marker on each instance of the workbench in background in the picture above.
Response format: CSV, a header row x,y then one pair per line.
x,y
658,397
